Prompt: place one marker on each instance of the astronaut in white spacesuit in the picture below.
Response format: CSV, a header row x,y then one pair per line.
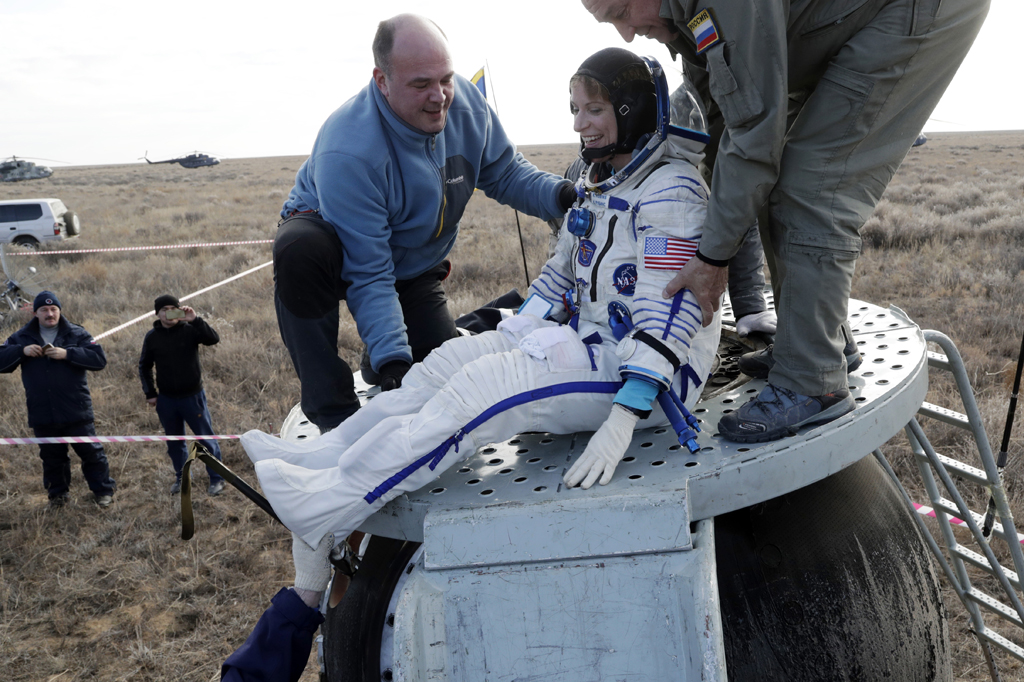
x,y
557,365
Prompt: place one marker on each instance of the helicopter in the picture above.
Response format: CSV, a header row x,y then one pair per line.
x,y
15,169
193,160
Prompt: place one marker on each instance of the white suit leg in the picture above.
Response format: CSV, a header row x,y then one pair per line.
x,y
395,456
421,383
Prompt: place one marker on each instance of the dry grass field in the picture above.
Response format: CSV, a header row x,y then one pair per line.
x,y
116,595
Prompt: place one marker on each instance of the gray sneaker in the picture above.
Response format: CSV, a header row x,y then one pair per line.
x,y
758,363
778,412
176,487
104,501
215,489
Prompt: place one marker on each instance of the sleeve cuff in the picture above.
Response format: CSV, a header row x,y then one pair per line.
x,y
637,395
712,261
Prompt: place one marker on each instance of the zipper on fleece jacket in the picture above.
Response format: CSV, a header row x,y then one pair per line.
x,y
440,179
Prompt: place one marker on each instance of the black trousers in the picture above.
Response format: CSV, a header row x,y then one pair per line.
x,y
307,290
57,463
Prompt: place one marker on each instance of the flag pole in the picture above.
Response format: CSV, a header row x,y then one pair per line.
x,y
519,228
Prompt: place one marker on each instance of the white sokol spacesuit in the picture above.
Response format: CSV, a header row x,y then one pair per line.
x,y
531,374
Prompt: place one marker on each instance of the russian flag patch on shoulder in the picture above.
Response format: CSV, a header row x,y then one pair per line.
x,y
705,30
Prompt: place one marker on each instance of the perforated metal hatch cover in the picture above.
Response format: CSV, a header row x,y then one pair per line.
x,y
527,469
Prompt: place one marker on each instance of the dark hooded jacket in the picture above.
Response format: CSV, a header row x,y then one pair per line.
x,y
57,391
175,352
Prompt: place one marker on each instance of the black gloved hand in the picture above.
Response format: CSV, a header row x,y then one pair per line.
x,y
391,374
566,195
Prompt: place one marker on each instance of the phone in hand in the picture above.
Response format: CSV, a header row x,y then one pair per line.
x,y
48,346
175,314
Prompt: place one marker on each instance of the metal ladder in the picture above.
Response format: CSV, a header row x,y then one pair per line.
x,y
949,508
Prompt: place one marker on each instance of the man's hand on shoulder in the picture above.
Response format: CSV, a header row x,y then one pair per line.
x,y
706,281
392,373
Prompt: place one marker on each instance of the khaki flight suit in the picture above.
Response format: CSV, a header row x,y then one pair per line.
x,y
817,103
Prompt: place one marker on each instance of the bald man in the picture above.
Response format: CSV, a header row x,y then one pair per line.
x,y
812,104
375,211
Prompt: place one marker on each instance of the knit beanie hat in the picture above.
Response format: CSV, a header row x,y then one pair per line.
x,y
45,298
166,299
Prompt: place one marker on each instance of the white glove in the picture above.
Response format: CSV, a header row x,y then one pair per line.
x,y
518,326
764,322
604,451
559,345
312,568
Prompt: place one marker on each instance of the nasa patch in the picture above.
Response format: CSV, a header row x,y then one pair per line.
x,y
586,253
624,279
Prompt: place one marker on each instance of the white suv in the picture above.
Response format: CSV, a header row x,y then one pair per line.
x,y
29,222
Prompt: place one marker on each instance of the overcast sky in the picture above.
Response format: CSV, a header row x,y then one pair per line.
x,y
104,81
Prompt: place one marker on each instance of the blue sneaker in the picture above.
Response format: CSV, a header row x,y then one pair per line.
x,y
778,412
758,363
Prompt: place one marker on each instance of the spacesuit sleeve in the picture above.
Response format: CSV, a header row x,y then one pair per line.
x,y
556,277
667,228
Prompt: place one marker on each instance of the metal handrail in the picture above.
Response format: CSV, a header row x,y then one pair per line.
x,y
932,465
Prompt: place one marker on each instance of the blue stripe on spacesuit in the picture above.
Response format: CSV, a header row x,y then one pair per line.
x,y
434,457
557,275
670,201
671,317
662,323
541,282
660,326
678,338
688,181
699,194
677,301
656,301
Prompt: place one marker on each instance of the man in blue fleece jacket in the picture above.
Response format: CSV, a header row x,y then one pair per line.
x,y
375,210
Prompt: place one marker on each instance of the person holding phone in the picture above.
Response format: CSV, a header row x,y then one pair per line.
x,y
172,346
54,355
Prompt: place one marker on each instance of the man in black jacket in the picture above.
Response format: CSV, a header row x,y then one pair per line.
x,y
173,346
54,355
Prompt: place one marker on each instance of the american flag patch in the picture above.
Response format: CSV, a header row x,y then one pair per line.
x,y
667,253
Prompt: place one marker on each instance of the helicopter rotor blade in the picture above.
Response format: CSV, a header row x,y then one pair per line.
x,y
36,158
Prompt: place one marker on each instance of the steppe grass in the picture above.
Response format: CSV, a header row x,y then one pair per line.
x,y
116,595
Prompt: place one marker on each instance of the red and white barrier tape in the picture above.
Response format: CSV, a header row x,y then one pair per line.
x,y
30,252
106,439
953,520
149,316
